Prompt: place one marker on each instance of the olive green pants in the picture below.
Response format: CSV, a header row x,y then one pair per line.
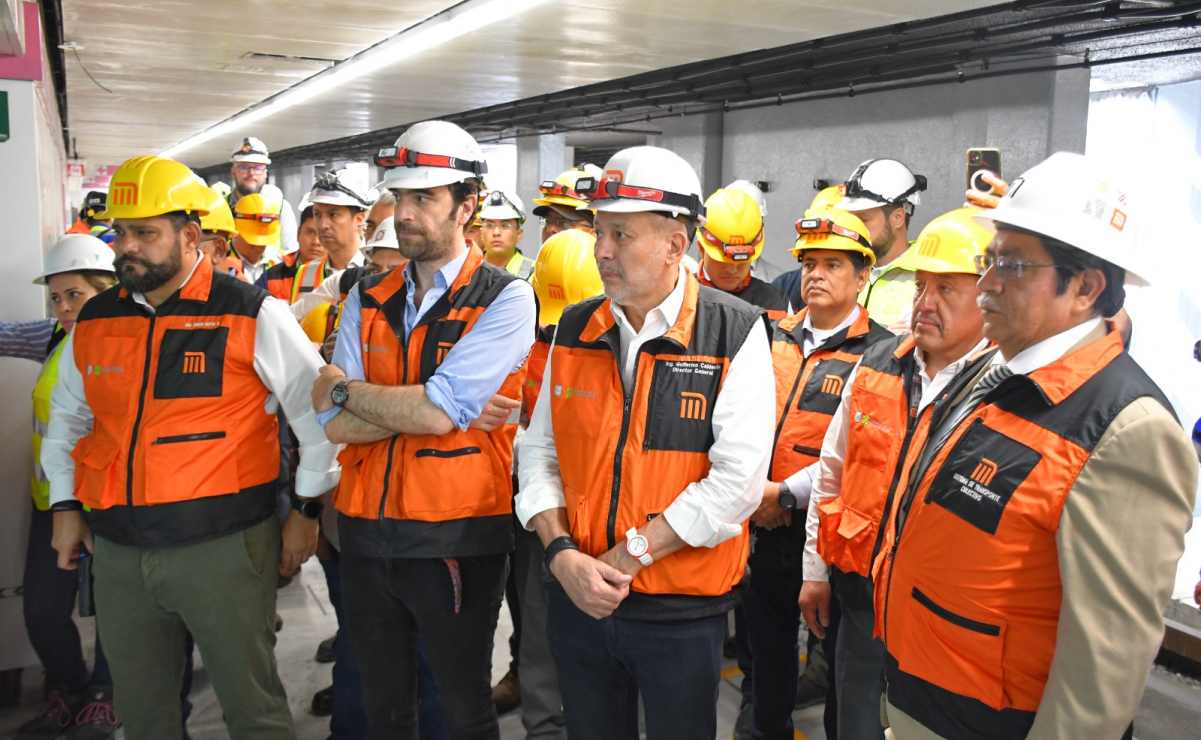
x,y
223,592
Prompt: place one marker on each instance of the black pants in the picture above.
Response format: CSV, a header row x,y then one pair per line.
x,y
513,599
771,610
605,664
49,600
387,603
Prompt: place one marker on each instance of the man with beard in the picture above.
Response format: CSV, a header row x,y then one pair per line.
x,y
425,508
163,425
883,194
248,172
895,385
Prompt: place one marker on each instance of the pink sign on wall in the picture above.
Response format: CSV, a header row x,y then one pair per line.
x,y
28,66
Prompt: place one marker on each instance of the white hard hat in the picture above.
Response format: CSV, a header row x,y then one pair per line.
x,y
502,206
882,182
752,190
252,150
76,252
645,178
430,154
332,189
1069,198
384,236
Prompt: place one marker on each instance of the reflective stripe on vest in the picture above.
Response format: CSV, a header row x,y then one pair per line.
x,y
427,478
42,390
535,368
889,297
179,410
808,390
625,457
520,265
308,277
967,597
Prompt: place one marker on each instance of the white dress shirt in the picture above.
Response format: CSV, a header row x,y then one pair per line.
x,y
284,360
327,291
827,479
713,509
253,271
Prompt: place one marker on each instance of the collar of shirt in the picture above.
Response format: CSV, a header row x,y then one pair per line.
x,y
442,281
658,320
140,299
270,256
1049,350
815,338
931,387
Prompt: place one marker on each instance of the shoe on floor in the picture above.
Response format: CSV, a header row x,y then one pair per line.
x,y
729,648
96,720
506,694
323,702
279,622
325,650
57,718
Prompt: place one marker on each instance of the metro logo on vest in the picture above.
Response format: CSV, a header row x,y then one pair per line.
x,y
832,384
193,363
693,406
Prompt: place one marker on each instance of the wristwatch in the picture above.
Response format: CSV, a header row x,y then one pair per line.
x,y
340,393
787,498
638,547
309,508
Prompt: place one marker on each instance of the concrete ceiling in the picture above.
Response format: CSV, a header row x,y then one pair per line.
x,y
173,68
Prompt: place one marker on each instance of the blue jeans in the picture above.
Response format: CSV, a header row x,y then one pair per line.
x,y
604,664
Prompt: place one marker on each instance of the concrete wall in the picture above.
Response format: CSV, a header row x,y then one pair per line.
x,y
1026,117
33,211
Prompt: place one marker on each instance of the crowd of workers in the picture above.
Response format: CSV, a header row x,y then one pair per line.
x,y
932,450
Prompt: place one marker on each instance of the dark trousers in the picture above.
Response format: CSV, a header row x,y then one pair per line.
x,y
348,720
49,601
829,646
387,603
772,614
858,660
605,664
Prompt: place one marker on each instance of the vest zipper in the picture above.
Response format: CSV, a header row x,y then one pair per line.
x,y
404,374
627,404
137,419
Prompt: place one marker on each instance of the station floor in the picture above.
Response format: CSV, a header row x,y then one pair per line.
x,y
1171,707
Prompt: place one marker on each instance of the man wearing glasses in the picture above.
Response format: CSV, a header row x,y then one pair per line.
x,y
502,218
248,171
1031,547
560,207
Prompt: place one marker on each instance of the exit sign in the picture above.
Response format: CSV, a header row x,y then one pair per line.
x,y
3,116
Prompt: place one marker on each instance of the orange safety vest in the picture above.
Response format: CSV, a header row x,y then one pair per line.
x,y
883,422
403,491
624,457
288,281
181,447
967,595
535,368
809,389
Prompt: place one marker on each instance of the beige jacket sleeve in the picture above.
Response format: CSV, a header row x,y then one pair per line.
x,y
1120,537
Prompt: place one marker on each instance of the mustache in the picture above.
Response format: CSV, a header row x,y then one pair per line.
x,y
985,304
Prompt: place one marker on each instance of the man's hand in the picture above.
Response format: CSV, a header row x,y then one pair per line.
x,y
619,559
327,378
496,413
595,587
70,535
299,542
990,199
769,515
815,606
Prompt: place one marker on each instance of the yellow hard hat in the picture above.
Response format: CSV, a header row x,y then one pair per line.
x,y
561,190
219,217
828,197
733,230
257,220
316,322
951,242
833,229
148,186
565,273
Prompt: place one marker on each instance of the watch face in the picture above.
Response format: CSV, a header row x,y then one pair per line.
x,y
787,501
311,509
339,394
637,546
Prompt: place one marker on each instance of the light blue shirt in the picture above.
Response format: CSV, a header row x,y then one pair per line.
x,y
478,363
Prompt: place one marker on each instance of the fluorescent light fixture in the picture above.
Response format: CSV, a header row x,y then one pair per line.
x,y
439,29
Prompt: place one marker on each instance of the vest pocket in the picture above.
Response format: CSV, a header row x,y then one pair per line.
x,y
964,652
458,452
184,467
454,480
97,480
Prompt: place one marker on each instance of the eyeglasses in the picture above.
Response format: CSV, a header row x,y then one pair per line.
x,y
250,167
391,156
1007,268
554,218
591,188
507,225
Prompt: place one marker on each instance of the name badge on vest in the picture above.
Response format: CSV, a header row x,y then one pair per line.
x,y
980,475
